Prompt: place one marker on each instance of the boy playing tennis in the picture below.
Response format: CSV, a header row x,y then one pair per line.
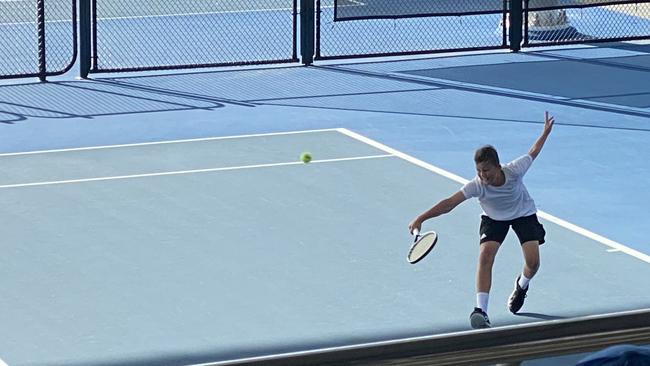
x,y
505,202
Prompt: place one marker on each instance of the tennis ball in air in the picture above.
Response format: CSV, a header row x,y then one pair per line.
x,y
305,157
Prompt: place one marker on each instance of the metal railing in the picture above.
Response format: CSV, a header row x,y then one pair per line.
x,y
509,344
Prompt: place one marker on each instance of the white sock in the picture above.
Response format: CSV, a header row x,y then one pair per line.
x,y
523,281
482,300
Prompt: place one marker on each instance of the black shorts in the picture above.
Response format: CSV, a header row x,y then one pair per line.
x,y
527,228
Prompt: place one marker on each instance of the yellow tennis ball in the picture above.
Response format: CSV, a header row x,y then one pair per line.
x,y
305,157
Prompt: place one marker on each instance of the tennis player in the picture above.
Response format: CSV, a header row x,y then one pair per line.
x,y
506,203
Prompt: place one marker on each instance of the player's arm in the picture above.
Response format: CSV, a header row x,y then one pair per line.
x,y
438,209
537,146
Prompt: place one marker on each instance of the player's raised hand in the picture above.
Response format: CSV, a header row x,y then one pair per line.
x,y
548,122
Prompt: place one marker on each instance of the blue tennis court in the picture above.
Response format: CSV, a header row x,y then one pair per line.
x,y
191,251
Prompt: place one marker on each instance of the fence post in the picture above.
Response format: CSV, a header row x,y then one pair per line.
x,y
84,38
516,24
307,31
40,23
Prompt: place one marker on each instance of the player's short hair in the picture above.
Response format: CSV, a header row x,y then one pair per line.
x,y
486,153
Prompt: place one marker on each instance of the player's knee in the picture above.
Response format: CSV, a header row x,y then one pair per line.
x,y
532,264
531,255
487,254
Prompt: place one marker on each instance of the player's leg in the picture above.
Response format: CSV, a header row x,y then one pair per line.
x,y
487,254
492,234
531,235
530,250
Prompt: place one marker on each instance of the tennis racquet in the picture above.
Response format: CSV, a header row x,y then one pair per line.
x,y
422,245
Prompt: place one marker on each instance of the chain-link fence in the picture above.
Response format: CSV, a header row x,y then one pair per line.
x,y
350,28
584,21
409,34
37,38
157,34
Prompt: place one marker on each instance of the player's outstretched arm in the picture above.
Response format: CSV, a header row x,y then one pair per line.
x,y
537,146
438,209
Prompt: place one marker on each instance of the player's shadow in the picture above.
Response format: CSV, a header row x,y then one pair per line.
x,y
540,316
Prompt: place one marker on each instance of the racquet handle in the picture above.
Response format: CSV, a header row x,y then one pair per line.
x,y
415,232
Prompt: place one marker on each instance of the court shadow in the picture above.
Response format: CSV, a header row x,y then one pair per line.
x,y
89,98
487,79
542,79
10,118
540,316
636,47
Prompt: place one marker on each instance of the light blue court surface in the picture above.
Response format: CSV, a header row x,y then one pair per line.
x,y
203,250
186,252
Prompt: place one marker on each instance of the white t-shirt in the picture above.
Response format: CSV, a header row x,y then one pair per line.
x,y
506,202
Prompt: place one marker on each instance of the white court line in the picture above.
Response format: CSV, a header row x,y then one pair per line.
x,y
157,15
2,363
180,172
191,14
169,15
166,142
565,224
33,23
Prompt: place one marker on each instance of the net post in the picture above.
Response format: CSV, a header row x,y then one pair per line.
x,y
84,38
516,24
307,31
